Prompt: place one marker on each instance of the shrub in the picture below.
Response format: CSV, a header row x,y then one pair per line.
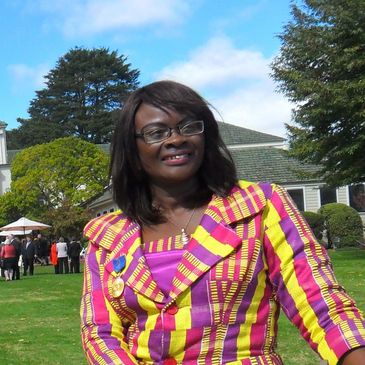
x,y
316,222
343,222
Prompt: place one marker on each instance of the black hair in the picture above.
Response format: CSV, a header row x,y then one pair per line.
x,y
130,184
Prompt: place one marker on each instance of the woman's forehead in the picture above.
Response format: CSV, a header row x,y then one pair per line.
x,y
147,114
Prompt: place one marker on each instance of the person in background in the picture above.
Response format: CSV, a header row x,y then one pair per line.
x,y
62,256
28,253
53,257
8,255
74,249
42,249
197,264
1,260
18,249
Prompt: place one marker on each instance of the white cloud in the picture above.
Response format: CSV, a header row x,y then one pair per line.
x,y
237,83
25,76
257,108
216,63
86,17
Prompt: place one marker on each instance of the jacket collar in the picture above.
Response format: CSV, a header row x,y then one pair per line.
x,y
213,240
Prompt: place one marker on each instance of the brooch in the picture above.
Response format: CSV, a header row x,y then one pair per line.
x,y
118,283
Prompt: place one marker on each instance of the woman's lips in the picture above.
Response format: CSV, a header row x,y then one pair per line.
x,y
176,159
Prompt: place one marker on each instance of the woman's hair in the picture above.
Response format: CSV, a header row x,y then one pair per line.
x,y
130,184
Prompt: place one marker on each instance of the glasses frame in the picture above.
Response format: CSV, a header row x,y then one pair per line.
x,y
178,129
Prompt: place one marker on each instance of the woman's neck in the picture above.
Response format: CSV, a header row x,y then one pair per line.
x,y
175,196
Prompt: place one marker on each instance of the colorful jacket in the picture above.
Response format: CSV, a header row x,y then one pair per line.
x,y
251,254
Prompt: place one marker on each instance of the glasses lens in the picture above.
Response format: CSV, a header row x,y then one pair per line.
x,y
155,134
191,128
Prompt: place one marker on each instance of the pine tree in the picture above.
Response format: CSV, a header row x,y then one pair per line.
x,y
321,69
80,99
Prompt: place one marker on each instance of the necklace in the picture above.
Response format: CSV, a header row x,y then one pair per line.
x,y
184,235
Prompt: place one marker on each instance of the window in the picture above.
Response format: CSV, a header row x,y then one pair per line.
x,y
357,197
298,196
328,195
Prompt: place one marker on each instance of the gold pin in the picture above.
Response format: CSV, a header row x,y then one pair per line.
x,y
117,287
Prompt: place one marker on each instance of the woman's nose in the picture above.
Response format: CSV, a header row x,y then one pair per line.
x,y
175,137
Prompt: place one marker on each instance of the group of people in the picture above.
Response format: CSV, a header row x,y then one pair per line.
x,y
65,256
15,253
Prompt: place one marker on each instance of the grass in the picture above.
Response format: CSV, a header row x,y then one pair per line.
x,y
39,316
39,319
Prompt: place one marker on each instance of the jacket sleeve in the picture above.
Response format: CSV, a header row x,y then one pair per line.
x,y
306,288
102,333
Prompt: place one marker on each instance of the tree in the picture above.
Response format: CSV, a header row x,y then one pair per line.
x,y
10,209
80,99
68,220
64,172
321,69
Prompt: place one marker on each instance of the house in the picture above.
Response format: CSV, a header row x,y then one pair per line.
x,y
5,176
262,157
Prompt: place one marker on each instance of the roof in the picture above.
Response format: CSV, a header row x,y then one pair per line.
x,y
233,135
271,164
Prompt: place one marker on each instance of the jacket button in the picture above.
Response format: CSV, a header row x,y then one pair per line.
x,y
173,309
170,361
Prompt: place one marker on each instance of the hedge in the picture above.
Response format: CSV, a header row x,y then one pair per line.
x,y
342,222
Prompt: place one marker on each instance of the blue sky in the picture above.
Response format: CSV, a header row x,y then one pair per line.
x,y
221,48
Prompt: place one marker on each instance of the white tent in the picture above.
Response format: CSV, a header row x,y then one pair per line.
x,y
25,224
15,233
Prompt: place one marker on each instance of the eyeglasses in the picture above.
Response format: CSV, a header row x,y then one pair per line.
x,y
158,133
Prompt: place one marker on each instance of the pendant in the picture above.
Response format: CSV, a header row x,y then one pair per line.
x,y
118,287
184,237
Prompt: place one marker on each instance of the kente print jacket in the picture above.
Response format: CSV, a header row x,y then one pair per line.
x,y
251,254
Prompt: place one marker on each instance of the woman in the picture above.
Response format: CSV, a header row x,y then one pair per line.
x,y
8,255
194,268
53,257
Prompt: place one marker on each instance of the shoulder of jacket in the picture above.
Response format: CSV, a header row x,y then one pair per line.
x,y
102,230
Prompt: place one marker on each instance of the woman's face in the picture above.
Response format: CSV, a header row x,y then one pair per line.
x,y
175,160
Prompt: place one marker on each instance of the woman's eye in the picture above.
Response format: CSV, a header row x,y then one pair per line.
x,y
154,133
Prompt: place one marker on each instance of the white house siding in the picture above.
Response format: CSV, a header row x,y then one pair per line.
x,y
343,195
312,197
3,149
103,204
5,178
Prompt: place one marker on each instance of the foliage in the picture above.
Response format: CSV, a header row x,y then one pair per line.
x,y
316,222
10,208
56,176
343,222
321,69
67,220
80,99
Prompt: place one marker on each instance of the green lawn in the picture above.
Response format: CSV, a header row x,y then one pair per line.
x,y
39,316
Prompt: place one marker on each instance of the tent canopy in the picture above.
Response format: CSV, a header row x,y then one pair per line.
x,y
15,233
25,224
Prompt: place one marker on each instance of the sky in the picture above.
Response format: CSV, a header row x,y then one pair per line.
x,y
221,48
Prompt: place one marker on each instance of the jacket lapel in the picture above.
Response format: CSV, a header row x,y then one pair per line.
x,y
215,238
121,237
